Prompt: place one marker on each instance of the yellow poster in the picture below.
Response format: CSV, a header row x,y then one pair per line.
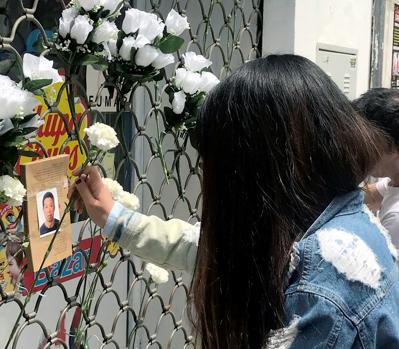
x,y
53,135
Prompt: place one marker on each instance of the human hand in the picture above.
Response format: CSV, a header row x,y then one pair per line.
x,y
89,191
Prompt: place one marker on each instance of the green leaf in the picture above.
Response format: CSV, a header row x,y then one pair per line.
x,y
17,140
38,93
90,60
28,153
100,66
33,85
172,119
170,44
27,130
160,75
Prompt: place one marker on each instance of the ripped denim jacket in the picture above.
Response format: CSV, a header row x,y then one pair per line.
x,y
343,289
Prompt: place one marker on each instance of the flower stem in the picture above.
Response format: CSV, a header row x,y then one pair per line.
x,y
29,294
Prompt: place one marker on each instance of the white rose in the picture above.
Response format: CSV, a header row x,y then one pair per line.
x,y
104,32
68,16
81,29
36,68
114,187
179,101
175,23
129,200
163,60
113,49
12,192
89,5
208,81
151,26
102,136
128,43
131,22
158,274
195,62
14,101
146,55
110,5
187,80
180,74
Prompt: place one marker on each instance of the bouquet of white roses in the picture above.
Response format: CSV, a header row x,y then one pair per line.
x,y
187,92
18,121
144,47
85,28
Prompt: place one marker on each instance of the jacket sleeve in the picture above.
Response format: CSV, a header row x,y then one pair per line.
x,y
313,322
170,244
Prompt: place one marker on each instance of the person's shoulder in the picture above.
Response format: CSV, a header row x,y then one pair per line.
x,y
350,261
42,229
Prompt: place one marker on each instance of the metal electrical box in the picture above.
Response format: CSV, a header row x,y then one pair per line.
x,y
340,64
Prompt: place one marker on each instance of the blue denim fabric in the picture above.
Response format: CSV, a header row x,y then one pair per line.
x,y
336,307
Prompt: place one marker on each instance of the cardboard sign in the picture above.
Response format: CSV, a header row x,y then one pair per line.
x,y
46,183
73,267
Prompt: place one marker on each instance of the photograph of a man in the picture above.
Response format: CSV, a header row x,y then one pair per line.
x,y
48,212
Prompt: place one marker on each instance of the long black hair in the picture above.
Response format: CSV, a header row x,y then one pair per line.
x,y
278,141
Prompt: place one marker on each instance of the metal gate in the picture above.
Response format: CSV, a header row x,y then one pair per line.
x,y
126,309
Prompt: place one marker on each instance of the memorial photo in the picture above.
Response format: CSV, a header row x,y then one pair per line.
x,y
48,211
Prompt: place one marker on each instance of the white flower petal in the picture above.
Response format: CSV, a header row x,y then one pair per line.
x,y
114,187
14,101
129,200
195,62
102,136
163,60
89,5
104,32
112,47
179,101
12,190
191,82
36,68
151,27
81,29
158,274
180,75
175,23
131,22
110,5
146,55
68,16
208,81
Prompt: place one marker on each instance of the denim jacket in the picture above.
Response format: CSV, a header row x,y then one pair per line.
x,y
342,290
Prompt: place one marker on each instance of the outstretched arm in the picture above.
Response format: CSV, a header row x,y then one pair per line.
x,y
170,244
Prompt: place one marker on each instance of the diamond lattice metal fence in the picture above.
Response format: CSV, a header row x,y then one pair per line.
x,y
125,309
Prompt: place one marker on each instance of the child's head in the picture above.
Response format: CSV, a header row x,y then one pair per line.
x,y
381,107
15,261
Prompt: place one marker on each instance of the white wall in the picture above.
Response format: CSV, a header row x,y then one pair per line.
x,y
344,23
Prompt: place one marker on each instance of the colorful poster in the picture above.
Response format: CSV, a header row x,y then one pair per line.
x,y
12,263
53,133
52,136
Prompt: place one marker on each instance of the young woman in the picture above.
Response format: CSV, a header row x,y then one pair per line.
x,y
288,256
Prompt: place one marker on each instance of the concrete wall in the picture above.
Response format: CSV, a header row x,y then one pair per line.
x,y
297,26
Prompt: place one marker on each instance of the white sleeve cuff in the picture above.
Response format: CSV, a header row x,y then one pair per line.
x,y
116,211
382,186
